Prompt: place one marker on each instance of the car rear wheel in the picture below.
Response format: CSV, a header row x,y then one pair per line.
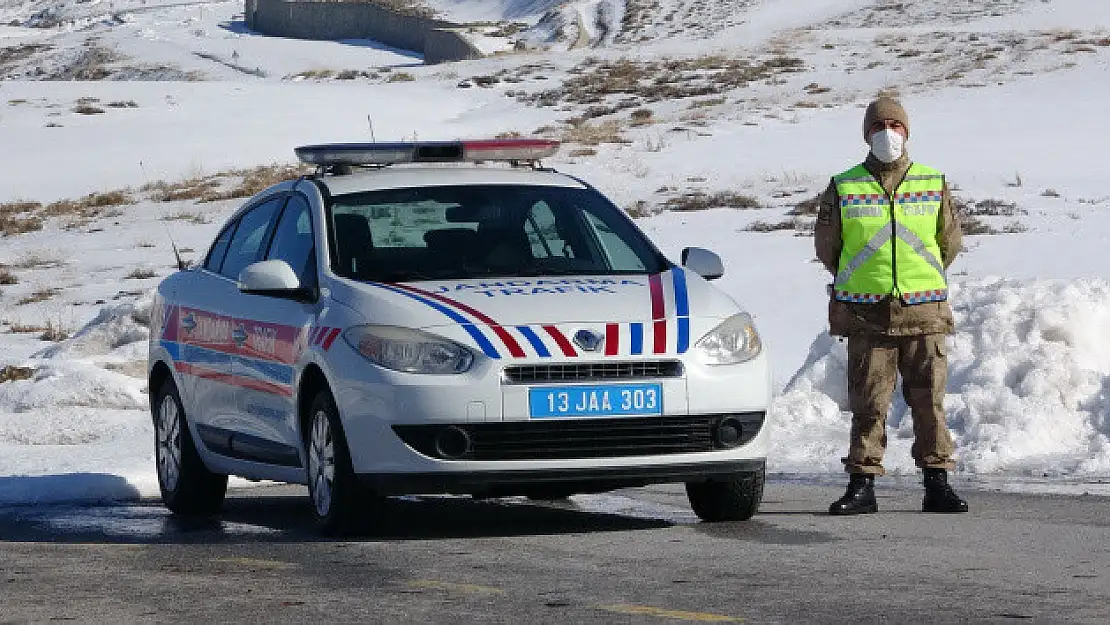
x,y
732,498
187,486
339,503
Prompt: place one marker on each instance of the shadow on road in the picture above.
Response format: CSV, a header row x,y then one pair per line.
x,y
287,519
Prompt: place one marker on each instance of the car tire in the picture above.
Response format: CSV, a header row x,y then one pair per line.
x,y
732,498
340,504
187,486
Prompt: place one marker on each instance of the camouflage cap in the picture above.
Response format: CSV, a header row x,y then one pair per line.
x,y
884,108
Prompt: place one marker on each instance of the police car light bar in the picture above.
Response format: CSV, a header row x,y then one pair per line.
x,y
427,152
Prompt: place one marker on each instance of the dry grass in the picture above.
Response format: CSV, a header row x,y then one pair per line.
x,y
701,201
808,207
257,179
586,133
23,216
12,373
215,187
400,77
707,103
90,206
642,117
87,109
190,216
17,217
638,82
990,208
640,209
41,295
767,226
141,273
7,277
37,260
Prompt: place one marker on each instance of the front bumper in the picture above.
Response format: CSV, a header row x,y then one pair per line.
x,y
569,480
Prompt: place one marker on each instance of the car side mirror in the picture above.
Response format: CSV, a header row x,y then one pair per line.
x,y
703,262
274,278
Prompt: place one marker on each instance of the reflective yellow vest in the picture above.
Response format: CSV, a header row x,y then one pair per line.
x,y
890,241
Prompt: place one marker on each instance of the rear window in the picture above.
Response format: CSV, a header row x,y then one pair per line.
x,y
481,231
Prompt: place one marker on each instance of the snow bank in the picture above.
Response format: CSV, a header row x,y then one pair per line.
x,y
1028,388
79,429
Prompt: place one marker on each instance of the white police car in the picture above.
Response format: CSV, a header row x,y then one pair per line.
x,y
392,327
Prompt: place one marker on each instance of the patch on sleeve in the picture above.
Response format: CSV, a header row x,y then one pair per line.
x,y
824,214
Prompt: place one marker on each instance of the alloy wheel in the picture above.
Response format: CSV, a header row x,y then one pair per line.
x,y
321,463
168,448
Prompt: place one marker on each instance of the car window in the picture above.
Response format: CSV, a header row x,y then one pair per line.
x,y
219,248
480,231
293,242
615,249
247,243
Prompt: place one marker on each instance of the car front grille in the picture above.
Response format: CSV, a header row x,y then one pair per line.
x,y
579,438
593,371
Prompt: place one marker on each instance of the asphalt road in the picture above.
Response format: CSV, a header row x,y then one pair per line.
x,y
635,556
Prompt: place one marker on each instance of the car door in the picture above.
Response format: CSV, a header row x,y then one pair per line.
x,y
208,331
274,329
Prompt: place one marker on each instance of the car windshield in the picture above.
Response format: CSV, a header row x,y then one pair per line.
x,y
480,231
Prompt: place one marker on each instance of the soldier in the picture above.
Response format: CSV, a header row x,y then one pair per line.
x,y
887,232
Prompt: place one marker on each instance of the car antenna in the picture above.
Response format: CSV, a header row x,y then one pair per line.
x,y
182,265
370,120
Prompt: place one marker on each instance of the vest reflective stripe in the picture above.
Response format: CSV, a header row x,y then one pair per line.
x,y
870,248
890,249
914,241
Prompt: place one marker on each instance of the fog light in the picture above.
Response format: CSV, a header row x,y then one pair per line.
x,y
729,431
453,443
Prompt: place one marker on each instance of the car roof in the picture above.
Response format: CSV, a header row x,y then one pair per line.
x,y
405,176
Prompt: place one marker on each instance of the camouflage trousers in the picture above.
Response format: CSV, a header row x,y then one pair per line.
x,y
874,362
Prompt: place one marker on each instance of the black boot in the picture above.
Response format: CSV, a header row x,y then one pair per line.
x,y
859,498
939,496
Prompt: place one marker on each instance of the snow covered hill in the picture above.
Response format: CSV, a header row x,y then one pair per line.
x,y
714,121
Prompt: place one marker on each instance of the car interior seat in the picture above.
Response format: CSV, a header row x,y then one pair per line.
x,y
503,247
450,248
354,243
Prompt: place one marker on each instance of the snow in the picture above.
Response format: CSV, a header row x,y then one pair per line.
x,y
1005,96
1028,389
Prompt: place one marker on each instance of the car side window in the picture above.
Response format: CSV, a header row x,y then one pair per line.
x,y
618,252
293,241
247,244
219,249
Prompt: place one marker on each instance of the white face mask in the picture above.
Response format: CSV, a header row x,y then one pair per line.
x,y
886,145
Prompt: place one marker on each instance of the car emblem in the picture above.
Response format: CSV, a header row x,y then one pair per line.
x,y
239,335
588,340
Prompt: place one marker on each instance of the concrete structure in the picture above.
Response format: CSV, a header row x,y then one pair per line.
x,y
438,40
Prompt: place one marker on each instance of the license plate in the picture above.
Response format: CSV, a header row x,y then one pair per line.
x,y
610,400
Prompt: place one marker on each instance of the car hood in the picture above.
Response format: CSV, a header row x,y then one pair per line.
x,y
629,313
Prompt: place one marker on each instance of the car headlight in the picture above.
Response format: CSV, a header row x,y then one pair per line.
x,y
411,351
732,342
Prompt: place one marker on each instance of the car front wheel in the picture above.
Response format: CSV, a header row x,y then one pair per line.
x,y
187,486
339,503
732,498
